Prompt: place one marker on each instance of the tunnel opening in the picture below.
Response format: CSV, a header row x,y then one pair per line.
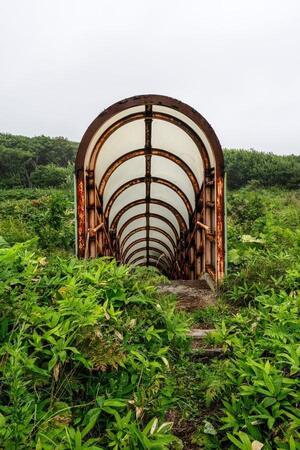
x,y
150,189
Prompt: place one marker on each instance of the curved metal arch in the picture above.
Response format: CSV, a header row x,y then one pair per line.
x,y
154,201
141,216
151,228
154,152
157,241
141,116
153,249
139,180
150,99
214,179
159,261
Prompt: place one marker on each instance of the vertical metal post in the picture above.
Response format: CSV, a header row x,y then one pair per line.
x,y
225,224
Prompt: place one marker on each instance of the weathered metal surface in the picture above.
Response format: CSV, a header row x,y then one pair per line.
x,y
155,152
181,222
147,180
151,228
199,244
148,239
154,216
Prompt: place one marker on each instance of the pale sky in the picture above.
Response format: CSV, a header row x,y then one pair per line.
x,y
236,61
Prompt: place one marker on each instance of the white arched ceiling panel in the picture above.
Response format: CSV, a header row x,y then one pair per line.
x,y
133,225
160,247
167,136
164,168
157,209
131,194
126,138
134,237
132,168
192,124
154,222
142,245
136,246
161,237
162,255
134,211
167,195
138,263
141,251
107,124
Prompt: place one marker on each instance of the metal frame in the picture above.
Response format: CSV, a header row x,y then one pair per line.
x,y
199,246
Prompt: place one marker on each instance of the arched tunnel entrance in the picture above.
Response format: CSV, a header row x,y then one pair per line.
x,y
150,188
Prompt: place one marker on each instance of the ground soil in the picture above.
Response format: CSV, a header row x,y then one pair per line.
x,y
192,295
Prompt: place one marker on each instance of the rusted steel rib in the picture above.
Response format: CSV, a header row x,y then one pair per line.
x,y
138,241
155,115
154,216
155,152
151,228
181,222
146,179
142,249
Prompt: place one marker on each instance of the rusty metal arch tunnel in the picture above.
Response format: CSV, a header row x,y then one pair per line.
x,y
150,188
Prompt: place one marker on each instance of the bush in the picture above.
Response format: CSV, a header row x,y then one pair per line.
x,y
261,169
48,215
84,349
49,176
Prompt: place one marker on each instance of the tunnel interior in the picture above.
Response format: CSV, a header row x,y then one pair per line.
x,y
150,188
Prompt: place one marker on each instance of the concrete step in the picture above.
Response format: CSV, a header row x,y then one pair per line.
x,y
191,294
197,333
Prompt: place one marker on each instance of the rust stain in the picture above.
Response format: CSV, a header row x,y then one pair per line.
x,y
198,246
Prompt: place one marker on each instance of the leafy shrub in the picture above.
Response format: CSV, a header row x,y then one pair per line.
x,y
48,215
49,176
85,350
264,242
261,169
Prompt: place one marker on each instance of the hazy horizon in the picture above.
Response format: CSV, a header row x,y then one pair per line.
x,y
237,63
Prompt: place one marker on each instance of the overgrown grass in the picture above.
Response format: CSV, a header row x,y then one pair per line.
x,y
43,213
251,396
85,351
91,357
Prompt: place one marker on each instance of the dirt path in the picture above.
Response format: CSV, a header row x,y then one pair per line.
x,y
192,295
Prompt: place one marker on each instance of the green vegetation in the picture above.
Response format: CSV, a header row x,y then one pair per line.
x,y
29,213
93,356
39,161
84,353
261,169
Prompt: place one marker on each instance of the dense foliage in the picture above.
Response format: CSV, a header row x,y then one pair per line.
x,y
92,356
38,161
48,215
84,353
262,393
261,169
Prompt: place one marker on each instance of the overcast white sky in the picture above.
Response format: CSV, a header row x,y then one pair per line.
x,y
236,61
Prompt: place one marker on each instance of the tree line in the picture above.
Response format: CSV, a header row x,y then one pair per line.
x,y
42,161
39,161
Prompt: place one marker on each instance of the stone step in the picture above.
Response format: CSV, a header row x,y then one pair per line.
x,y
191,294
197,333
